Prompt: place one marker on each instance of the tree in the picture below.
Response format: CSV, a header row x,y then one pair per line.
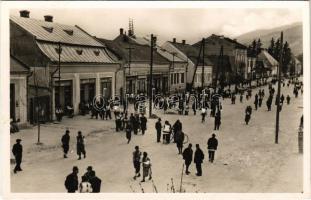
x,y
258,47
287,57
271,47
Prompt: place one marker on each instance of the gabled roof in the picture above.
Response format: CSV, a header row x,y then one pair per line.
x,y
166,54
139,52
192,53
224,40
267,60
17,66
55,32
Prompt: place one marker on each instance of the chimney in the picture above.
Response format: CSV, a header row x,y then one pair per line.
x,y
121,31
183,41
48,18
24,13
174,40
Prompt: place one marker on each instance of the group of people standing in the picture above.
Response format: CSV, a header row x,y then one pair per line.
x,y
90,183
65,140
198,158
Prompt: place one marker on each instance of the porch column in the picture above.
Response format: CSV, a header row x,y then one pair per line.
x,y
97,85
76,93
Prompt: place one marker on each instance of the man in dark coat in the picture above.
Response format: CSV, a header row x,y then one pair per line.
x,y
136,161
88,172
217,120
72,182
143,124
95,182
177,127
212,144
17,151
187,156
198,159
65,143
158,127
80,145
180,136
256,101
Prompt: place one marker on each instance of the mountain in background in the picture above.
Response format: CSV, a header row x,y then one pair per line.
x,y
292,34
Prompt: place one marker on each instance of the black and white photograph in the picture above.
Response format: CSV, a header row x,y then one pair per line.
x,y
207,98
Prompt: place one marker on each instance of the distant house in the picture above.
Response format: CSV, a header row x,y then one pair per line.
x,y
19,73
87,68
135,58
296,67
188,52
235,52
266,65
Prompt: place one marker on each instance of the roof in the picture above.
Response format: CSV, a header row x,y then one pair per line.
x,y
17,66
191,52
139,52
226,62
225,40
267,59
75,53
163,52
55,32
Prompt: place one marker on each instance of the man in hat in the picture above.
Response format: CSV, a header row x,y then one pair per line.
x,y
136,161
95,182
187,156
198,159
158,127
80,145
18,152
88,173
65,143
212,144
72,181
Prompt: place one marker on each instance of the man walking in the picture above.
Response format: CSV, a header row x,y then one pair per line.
x,y
146,167
143,123
18,152
180,136
136,161
217,120
80,145
212,144
198,159
72,182
158,127
65,143
187,156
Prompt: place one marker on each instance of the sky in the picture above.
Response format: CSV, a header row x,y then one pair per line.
x,y
190,24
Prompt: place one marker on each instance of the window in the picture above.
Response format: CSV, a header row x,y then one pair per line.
x,y
96,52
172,79
175,78
48,29
79,51
182,79
177,81
69,32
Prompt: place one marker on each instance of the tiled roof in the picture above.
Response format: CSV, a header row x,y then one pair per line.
x,y
55,32
139,52
225,40
16,66
75,53
192,53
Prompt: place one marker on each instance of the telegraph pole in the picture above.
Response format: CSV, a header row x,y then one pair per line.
x,y
220,58
203,46
129,67
59,52
277,124
152,44
169,71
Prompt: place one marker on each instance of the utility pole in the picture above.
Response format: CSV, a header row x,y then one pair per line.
x,y
220,58
203,48
169,71
277,124
152,44
196,65
59,52
129,67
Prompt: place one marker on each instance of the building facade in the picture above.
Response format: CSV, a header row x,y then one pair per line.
x,y
85,65
190,54
19,73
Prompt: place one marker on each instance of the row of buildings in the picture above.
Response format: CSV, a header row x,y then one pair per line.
x,y
58,65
